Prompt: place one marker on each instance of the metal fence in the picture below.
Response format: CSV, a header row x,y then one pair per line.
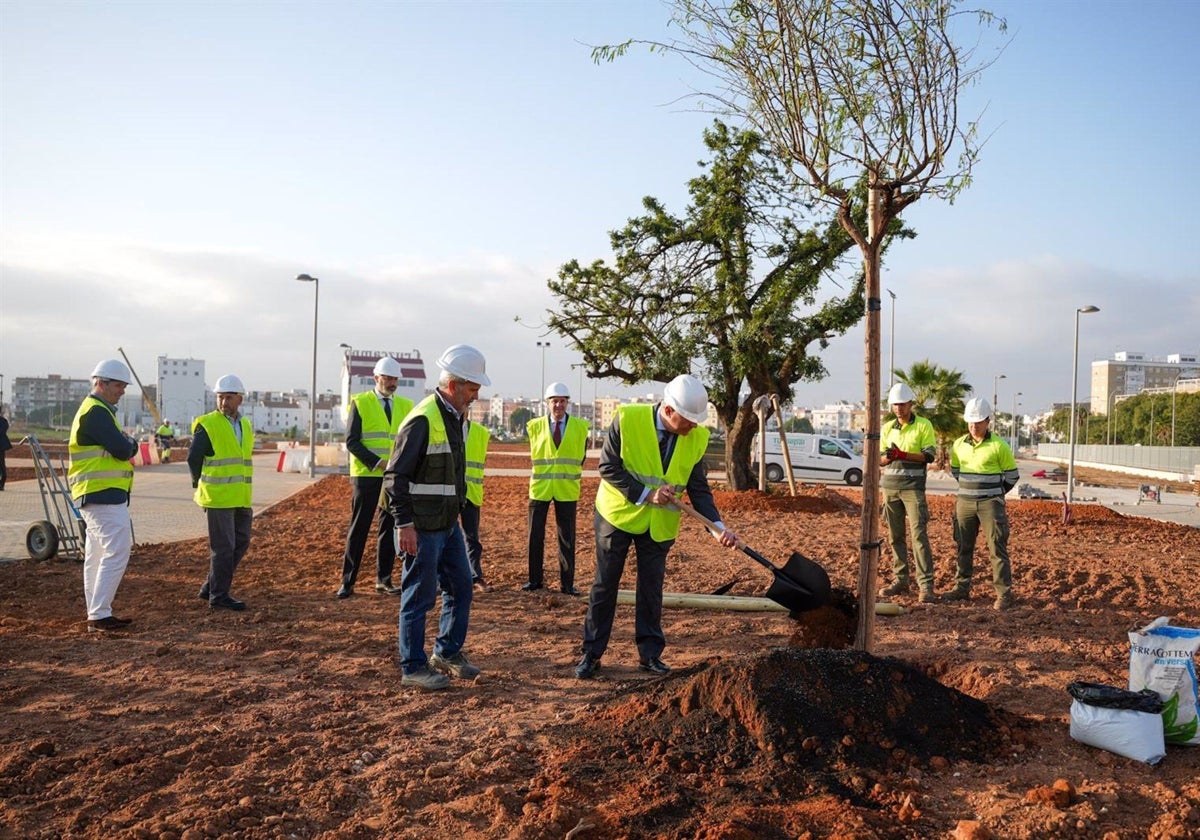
x,y
1175,459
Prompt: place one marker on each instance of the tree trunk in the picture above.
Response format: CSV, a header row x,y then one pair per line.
x,y
869,536
738,440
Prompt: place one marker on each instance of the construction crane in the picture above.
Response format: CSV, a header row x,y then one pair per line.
x,y
158,421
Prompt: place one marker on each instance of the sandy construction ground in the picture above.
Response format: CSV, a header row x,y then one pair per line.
x,y
288,720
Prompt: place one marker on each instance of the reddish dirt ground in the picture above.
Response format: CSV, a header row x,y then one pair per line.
x,y
288,720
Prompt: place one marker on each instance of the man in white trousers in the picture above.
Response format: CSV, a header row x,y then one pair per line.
x,y
101,477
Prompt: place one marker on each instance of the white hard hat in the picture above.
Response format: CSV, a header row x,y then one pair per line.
x,y
557,389
687,395
229,384
387,366
900,393
465,362
112,369
977,409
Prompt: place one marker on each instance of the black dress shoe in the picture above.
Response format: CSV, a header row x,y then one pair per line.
x,y
385,586
227,602
531,587
345,591
121,622
105,625
655,666
587,667
203,593
571,590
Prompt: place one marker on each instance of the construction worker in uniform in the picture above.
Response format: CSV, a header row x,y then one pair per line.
x,y
477,445
100,476
557,448
223,473
425,482
984,467
648,453
907,444
371,425
164,436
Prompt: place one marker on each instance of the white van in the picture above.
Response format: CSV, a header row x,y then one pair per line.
x,y
814,457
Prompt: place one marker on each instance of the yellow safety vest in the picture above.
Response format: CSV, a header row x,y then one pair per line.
x,y
377,432
477,444
227,476
639,452
92,468
434,490
557,473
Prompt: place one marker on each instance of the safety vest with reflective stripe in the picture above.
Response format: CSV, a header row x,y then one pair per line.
x,y
377,432
917,436
983,470
434,491
92,468
557,473
639,452
477,444
226,476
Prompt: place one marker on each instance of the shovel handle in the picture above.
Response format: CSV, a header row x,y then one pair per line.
x,y
712,526
700,517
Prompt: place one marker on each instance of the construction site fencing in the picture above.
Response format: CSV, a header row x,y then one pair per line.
x,y
1180,460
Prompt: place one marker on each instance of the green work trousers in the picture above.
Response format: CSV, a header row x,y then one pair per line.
x,y
988,515
899,505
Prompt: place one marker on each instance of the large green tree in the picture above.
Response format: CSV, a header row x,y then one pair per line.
x,y
1147,418
939,396
729,289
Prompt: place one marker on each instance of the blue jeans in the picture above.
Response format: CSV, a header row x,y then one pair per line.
x,y
441,559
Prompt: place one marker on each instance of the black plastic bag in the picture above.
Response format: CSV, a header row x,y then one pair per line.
x,y
1109,697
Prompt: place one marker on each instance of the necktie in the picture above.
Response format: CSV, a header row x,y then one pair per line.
x,y
557,432
387,408
664,446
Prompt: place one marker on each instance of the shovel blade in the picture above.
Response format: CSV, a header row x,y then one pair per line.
x,y
801,585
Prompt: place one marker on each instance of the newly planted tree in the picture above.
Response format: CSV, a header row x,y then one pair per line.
x,y
845,90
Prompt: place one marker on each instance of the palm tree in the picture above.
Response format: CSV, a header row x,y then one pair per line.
x,y
939,394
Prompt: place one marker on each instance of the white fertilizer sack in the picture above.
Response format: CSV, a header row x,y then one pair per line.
x,y
1161,658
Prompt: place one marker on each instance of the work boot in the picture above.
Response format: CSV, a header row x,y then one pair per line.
x,y
927,596
587,667
957,594
426,679
456,665
1002,602
898,588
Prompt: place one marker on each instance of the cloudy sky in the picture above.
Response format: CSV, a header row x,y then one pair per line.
x,y
167,169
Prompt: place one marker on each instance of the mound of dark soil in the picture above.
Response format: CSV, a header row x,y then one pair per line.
x,y
757,735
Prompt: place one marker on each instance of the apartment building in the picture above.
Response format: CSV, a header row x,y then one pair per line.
x,y
1129,373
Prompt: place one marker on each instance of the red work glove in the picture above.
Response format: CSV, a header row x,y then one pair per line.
x,y
894,453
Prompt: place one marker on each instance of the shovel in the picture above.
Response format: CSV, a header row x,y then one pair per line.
x,y
801,585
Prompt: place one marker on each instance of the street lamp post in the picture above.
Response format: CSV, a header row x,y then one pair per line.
x,y
1074,397
996,390
1151,442
579,396
312,397
1111,406
1016,428
892,338
1174,391
542,392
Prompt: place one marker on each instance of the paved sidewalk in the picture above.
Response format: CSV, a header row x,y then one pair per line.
x,y
161,507
1183,508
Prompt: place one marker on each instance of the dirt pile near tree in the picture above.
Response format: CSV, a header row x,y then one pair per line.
x,y
759,736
